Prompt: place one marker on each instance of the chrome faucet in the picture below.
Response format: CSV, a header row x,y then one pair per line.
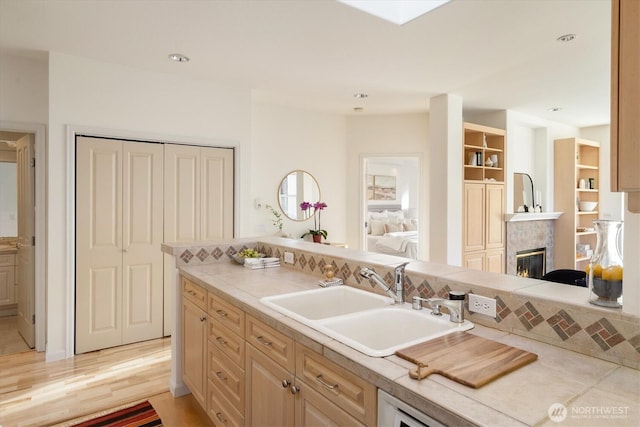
x,y
455,304
398,293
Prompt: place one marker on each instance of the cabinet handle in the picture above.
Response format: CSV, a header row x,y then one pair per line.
x,y
286,383
203,318
221,340
219,417
326,384
221,313
190,292
295,390
262,341
221,377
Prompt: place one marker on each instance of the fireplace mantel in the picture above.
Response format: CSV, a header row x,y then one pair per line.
x,y
531,216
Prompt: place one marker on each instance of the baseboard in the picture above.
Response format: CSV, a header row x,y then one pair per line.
x,y
179,389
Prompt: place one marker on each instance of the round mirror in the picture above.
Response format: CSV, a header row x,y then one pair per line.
x,y
297,187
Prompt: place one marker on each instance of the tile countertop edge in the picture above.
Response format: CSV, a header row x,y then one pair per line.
x,y
447,395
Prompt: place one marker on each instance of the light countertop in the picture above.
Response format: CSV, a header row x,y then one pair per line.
x,y
593,391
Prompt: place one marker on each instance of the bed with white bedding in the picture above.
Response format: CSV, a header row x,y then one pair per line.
x,y
391,231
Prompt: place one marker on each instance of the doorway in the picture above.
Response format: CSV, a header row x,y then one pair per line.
x,y
391,205
21,294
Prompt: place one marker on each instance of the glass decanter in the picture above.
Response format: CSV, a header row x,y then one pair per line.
x,y
605,268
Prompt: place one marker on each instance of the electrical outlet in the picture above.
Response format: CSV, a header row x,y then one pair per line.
x,y
289,258
482,305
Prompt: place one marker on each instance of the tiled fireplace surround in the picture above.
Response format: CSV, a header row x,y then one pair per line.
x,y
525,235
603,333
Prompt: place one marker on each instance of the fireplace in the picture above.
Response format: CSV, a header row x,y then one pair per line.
x,y
531,263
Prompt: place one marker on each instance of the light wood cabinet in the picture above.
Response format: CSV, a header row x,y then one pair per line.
x,y
575,160
625,100
194,344
483,233
313,409
226,379
7,279
483,227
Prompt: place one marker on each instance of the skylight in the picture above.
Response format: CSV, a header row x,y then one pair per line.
x,y
397,11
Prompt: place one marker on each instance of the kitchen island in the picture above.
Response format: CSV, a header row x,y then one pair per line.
x,y
591,390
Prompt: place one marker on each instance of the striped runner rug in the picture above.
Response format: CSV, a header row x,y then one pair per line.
x,y
139,415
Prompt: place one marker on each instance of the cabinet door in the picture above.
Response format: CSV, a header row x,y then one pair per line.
x,y
312,409
474,217
194,336
494,202
7,285
494,261
268,402
474,261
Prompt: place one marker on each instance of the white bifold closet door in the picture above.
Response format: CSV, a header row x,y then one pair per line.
x,y
198,202
119,230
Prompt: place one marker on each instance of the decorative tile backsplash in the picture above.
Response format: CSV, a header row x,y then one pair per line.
x,y
605,334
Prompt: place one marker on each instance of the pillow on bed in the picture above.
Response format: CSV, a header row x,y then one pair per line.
x,y
391,227
377,227
409,225
378,215
395,216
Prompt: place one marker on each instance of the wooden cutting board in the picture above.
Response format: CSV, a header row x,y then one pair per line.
x,y
465,358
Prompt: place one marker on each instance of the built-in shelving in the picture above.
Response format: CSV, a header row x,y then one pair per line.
x,y
575,160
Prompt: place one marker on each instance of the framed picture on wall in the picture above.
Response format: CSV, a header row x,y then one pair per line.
x,y
370,187
384,187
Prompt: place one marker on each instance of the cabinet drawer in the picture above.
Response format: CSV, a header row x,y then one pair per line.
x,y
274,344
345,389
226,376
312,409
227,314
221,412
7,260
226,341
194,293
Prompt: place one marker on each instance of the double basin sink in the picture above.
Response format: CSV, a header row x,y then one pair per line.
x,y
365,321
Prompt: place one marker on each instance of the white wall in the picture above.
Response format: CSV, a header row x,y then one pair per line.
x,y
393,135
23,89
286,139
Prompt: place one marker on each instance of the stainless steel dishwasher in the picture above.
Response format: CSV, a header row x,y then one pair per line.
x,y
395,413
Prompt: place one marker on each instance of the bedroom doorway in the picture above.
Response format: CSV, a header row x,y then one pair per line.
x,y
391,205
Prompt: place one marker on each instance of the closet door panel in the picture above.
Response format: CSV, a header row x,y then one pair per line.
x,y
142,258
182,193
217,193
98,243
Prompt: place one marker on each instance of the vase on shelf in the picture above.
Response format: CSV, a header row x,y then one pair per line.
x,y
605,268
317,238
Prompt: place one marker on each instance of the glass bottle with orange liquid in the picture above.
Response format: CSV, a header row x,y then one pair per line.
x,y
604,271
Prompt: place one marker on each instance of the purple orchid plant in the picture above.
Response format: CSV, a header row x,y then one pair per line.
x,y
317,208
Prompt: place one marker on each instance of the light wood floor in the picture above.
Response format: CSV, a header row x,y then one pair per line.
x,y
35,393
10,339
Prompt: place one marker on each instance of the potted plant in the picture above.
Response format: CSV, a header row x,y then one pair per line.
x,y
317,232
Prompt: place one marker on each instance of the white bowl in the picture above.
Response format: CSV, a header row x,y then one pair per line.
x,y
587,206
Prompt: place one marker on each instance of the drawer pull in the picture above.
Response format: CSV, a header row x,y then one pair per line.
x,y
203,318
262,341
286,383
221,376
326,384
221,340
221,313
219,417
295,390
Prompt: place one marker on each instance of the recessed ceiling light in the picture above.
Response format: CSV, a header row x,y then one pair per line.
x,y
178,57
397,11
566,38
360,95
555,109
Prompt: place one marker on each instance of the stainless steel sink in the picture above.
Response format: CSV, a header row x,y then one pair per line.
x,y
363,320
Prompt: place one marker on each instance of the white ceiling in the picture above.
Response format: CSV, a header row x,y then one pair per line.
x,y
496,54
